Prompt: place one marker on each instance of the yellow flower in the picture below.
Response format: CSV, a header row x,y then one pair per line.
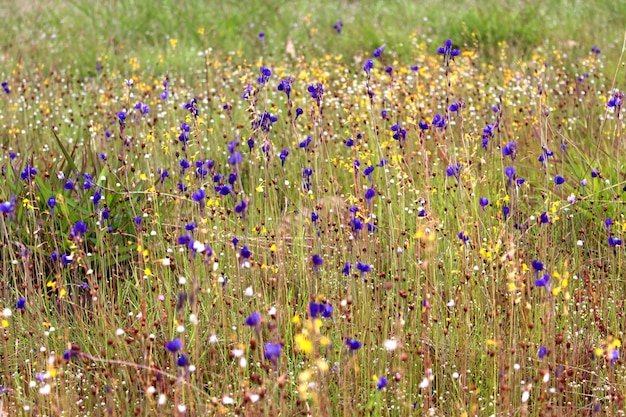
x,y
304,344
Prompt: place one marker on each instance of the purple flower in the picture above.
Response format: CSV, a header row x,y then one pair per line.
x,y
537,266
613,241
543,218
356,225
558,180
69,184
510,149
369,194
363,267
253,320
317,261
28,173
608,222
543,351
423,125
199,197
299,112
378,51
324,310
439,121
245,252
285,85
192,108
484,202
121,117
616,101
265,75
184,240
338,26
454,170
264,122
174,345
346,268
224,190
5,87
97,196
69,354
184,135
305,143
543,281
447,52
164,175
316,91
283,155
382,383
67,258
8,206
272,351
78,230
353,344
182,361
510,173
184,166
369,65
454,107
399,132
240,208
21,303
247,92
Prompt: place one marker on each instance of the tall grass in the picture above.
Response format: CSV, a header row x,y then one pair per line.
x,y
242,256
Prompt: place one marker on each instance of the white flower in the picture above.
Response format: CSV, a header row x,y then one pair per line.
x,y
390,344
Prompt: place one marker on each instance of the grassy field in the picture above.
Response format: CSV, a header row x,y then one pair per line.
x,y
304,208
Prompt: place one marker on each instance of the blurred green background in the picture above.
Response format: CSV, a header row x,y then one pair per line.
x,y
146,28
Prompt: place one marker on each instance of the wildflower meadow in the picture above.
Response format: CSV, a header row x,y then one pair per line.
x,y
333,209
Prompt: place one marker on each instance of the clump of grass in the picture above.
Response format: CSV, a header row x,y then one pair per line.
x,y
424,231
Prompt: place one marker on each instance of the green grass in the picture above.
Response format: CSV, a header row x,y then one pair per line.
x,y
89,30
468,317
